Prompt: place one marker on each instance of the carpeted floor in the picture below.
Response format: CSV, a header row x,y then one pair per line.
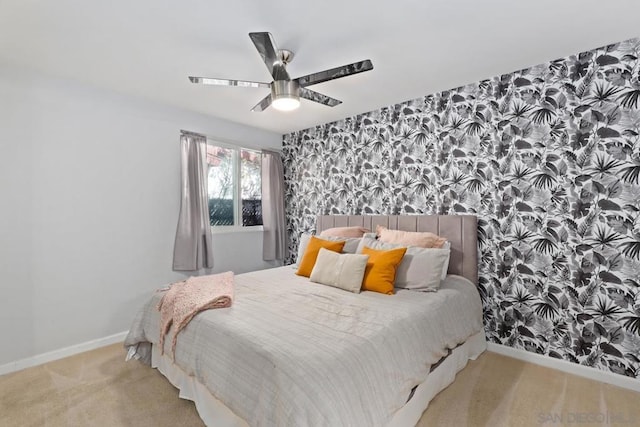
x,y
98,388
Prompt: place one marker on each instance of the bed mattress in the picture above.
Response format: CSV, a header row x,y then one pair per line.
x,y
292,352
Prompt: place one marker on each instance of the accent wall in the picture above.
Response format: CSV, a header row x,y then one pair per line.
x,y
548,158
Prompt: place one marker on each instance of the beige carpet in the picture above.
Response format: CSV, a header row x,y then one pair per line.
x,y
98,388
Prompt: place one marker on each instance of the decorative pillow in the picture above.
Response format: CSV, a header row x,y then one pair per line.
x,y
303,242
344,232
447,245
311,253
421,268
350,245
410,238
381,269
344,271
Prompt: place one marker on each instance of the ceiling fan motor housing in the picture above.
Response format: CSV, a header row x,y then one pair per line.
x,y
285,89
285,95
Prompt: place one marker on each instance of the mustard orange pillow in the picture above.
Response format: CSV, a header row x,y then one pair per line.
x,y
381,269
311,253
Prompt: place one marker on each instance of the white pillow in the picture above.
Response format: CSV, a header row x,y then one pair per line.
x,y
421,268
447,245
350,246
344,271
303,242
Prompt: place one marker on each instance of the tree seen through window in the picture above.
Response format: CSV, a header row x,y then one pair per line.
x,y
235,186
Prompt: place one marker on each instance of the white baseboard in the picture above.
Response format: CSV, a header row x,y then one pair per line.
x,y
50,356
563,365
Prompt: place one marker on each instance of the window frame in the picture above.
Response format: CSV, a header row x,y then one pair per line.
x,y
237,188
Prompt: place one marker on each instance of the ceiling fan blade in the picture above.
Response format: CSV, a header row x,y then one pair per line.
x,y
262,105
226,82
335,73
312,95
269,53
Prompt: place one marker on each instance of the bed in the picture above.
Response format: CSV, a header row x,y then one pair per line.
x,y
290,352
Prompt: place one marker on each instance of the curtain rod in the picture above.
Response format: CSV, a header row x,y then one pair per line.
x,y
188,132
225,141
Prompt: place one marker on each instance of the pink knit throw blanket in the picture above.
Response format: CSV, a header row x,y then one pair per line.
x,y
185,299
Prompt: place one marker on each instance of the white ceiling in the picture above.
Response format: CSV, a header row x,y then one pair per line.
x,y
147,48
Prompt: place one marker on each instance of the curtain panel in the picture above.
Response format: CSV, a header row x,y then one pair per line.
x,y
273,216
193,249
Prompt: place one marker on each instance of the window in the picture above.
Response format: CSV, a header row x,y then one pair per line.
x,y
235,186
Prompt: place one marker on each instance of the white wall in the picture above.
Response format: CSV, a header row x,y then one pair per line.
x,y
89,201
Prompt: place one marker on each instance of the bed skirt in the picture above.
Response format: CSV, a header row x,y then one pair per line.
x,y
214,413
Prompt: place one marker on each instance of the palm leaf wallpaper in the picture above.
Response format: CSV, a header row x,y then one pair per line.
x,y
548,158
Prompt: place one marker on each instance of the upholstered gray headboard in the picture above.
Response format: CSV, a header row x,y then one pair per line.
x,y
460,230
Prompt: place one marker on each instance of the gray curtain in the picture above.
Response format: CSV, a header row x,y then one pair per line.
x,y
273,218
193,248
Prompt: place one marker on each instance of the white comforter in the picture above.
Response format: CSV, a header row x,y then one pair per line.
x,y
290,352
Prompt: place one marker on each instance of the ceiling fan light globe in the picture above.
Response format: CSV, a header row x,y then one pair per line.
x,y
286,103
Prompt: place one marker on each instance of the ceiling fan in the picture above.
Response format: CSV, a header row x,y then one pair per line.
x,y
286,92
